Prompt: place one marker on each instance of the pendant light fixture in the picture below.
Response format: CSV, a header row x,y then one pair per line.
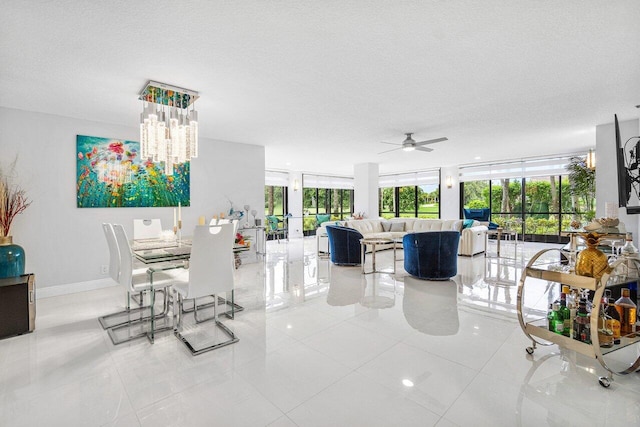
x,y
168,125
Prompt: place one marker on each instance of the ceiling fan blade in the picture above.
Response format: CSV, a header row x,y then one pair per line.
x,y
390,143
432,141
393,149
427,149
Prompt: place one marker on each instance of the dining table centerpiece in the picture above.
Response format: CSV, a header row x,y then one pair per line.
x,y
13,201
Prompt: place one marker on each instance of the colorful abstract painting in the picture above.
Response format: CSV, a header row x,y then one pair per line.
x,y
110,173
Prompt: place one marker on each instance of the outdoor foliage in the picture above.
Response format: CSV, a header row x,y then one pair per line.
x,y
546,200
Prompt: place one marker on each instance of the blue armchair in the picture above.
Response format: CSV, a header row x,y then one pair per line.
x,y
431,255
344,245
481,215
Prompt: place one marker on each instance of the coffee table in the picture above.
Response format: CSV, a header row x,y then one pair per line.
x,y
375,242
499,233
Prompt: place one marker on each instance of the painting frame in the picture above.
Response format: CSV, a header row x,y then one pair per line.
x,y
110,173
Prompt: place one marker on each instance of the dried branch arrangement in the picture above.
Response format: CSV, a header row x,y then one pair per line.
x,y
13,200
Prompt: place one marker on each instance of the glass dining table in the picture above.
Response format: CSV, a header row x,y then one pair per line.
x,y
164,255
152,251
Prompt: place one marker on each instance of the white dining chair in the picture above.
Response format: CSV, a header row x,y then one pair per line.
x,y
137,283
147,229
211,272
114,319
114,254
187,307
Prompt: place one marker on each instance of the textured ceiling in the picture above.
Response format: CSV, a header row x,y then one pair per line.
x,y
319,84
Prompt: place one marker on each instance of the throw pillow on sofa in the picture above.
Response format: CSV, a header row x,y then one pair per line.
x,y
322,218
386,225
397,226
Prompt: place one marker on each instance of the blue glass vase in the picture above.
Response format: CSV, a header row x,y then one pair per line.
x,y
12,258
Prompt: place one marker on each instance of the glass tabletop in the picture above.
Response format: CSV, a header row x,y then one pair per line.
x,y
611,231
174,253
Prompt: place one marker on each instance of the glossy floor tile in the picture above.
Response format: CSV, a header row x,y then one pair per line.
x,y
320,345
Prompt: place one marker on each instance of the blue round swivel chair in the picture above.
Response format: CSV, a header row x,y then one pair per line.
x,y
431,255
344,245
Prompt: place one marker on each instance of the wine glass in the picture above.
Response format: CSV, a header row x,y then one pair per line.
x,y
246,208
254,213
614,252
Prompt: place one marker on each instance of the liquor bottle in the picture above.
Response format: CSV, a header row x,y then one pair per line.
x,y
633,292
573,298
627,310
556,324
605,334
582,323
565,315
566,290
613,319
584,295
573,312
628,249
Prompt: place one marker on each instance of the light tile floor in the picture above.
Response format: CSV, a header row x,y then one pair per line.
x,y
319,345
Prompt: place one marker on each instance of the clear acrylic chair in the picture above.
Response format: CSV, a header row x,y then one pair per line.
x,y
211,272
133,324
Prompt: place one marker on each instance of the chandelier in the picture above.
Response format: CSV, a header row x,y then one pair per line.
x,y
168,126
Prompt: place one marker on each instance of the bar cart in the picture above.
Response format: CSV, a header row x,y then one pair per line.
x,y
546,267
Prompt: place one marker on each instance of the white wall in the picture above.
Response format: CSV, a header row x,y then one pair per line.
x,y
449,197
295,205
365,189
606,170
65,244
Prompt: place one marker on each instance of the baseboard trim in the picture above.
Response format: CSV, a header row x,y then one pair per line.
x,y
72,288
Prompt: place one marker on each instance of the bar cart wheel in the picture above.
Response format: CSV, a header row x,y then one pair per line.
x,y
604,382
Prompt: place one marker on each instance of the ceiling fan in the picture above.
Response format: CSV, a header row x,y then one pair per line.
x,y
409,144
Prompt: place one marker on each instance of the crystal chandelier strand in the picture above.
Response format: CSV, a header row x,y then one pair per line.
x,y
171,136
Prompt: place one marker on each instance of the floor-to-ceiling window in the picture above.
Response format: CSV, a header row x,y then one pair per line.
x,y
410,195
506,202
387,202
275,200
328,195
275,193
535,197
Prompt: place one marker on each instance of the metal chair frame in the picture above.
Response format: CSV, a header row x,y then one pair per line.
x,y
210,269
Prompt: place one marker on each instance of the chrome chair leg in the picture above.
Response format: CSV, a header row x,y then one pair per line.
x,y
232,337
116,330
138,299
236,307
177,311
106,321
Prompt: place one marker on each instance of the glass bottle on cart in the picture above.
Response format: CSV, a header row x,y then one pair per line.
x,y
627,310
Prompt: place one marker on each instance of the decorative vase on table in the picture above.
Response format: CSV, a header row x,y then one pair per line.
x,y
12,258
591,261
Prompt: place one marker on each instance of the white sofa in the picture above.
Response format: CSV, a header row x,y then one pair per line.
x,y
471,239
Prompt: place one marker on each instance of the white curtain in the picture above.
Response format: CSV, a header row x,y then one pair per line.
x,y
516,169
276,179
409,179
325,181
